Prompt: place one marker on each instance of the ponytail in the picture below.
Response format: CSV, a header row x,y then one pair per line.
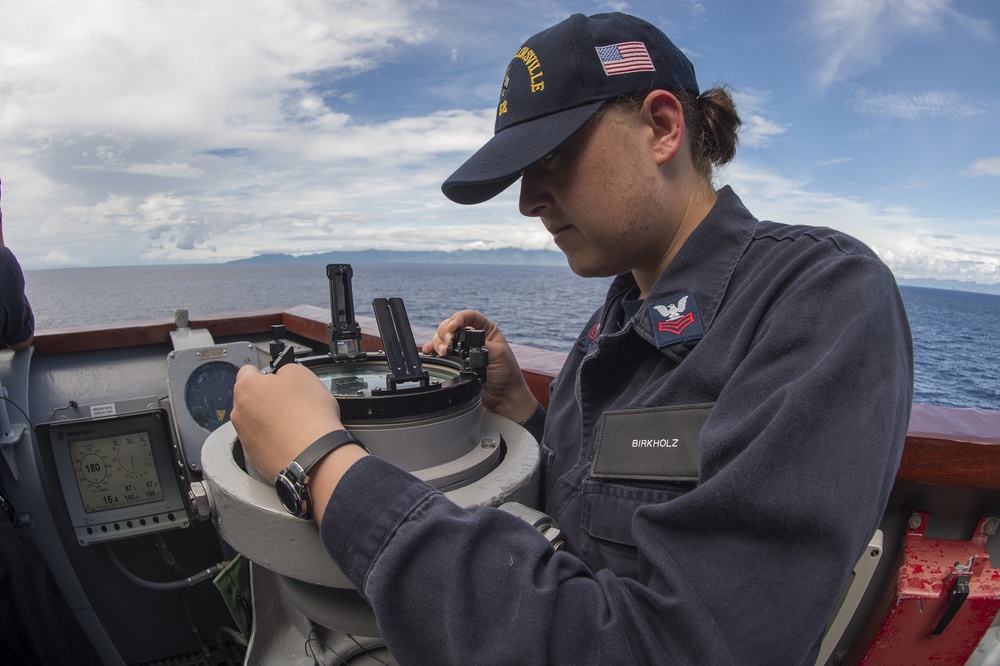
x,y
712,124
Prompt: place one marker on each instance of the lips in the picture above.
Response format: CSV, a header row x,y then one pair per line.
x,y
556,228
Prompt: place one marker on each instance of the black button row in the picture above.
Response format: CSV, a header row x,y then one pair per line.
x,y
128,523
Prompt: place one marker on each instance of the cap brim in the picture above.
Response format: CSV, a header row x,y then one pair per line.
x,y
495,166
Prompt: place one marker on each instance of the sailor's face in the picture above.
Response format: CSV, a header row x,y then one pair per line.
x,y
596,195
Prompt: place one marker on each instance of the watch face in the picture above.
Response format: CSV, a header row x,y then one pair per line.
x,y
289,496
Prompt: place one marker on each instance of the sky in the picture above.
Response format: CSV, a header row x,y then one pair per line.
x,y
147,132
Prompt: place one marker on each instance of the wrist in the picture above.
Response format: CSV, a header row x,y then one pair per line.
x,y
520,407
295,482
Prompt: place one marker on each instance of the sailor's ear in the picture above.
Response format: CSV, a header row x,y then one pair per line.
x,y
663,113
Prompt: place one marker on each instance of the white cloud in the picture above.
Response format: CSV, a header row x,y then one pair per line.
x,y
834,161
989,166
696,7
946,104
342,183
152,131
146,132
912,182
58,256
613,6
908,242
180,67
758,129
172,170
853,36
980,28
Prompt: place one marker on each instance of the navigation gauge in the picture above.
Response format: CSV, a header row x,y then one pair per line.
x,y
92,467
132,454
208,393
201,381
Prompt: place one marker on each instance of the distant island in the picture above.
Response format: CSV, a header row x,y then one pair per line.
x,y
513,257
508,257
953,285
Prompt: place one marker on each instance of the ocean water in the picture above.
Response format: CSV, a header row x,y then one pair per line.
x,y
542,306
956,347
955,334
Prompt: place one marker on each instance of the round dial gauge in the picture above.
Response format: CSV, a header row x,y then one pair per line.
x,y
131,456
208,393
93,468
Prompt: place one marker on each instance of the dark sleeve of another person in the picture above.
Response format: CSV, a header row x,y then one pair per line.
x,y
17,321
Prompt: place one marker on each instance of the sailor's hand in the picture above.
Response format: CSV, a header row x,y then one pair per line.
x,y
278,415
506,393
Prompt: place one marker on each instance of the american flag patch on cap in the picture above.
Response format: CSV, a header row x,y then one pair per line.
x,y
625,57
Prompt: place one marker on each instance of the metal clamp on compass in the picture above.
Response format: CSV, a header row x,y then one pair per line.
x,y
470,346
398,343
345,332
283,358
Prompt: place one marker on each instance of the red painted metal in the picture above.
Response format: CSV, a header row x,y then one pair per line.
x,y
925,578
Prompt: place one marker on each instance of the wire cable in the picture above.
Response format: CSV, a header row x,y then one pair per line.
x,y
72,405
199,577
313,637
27,420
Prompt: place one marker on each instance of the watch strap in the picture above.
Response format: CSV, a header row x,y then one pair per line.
x,y
324,446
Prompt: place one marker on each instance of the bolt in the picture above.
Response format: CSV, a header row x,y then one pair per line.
x,y
488,443
554,535
914,521
990,526
201,501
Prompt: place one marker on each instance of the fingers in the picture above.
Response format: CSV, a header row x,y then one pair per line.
x,y
442,338
446,330
246,370
240,390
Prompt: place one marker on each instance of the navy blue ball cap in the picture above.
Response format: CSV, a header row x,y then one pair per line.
x,y
556,82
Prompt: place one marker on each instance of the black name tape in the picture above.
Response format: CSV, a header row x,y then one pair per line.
x,y
653,444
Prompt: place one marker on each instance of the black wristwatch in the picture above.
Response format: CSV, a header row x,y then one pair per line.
x,y
290,483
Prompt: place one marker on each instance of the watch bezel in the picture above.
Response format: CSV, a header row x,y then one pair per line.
x,y
292,491
290,484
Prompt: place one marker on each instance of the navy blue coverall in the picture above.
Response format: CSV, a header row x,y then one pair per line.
x,y
794,342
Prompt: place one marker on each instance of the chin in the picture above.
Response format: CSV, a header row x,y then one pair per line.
x,y
583,269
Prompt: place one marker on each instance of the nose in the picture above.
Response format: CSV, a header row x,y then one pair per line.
x,y
536,197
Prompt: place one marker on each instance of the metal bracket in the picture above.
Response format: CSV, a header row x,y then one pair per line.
x,y
185,337
542,522
957,594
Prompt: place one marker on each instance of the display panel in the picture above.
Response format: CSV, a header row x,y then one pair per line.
x,y
115,472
